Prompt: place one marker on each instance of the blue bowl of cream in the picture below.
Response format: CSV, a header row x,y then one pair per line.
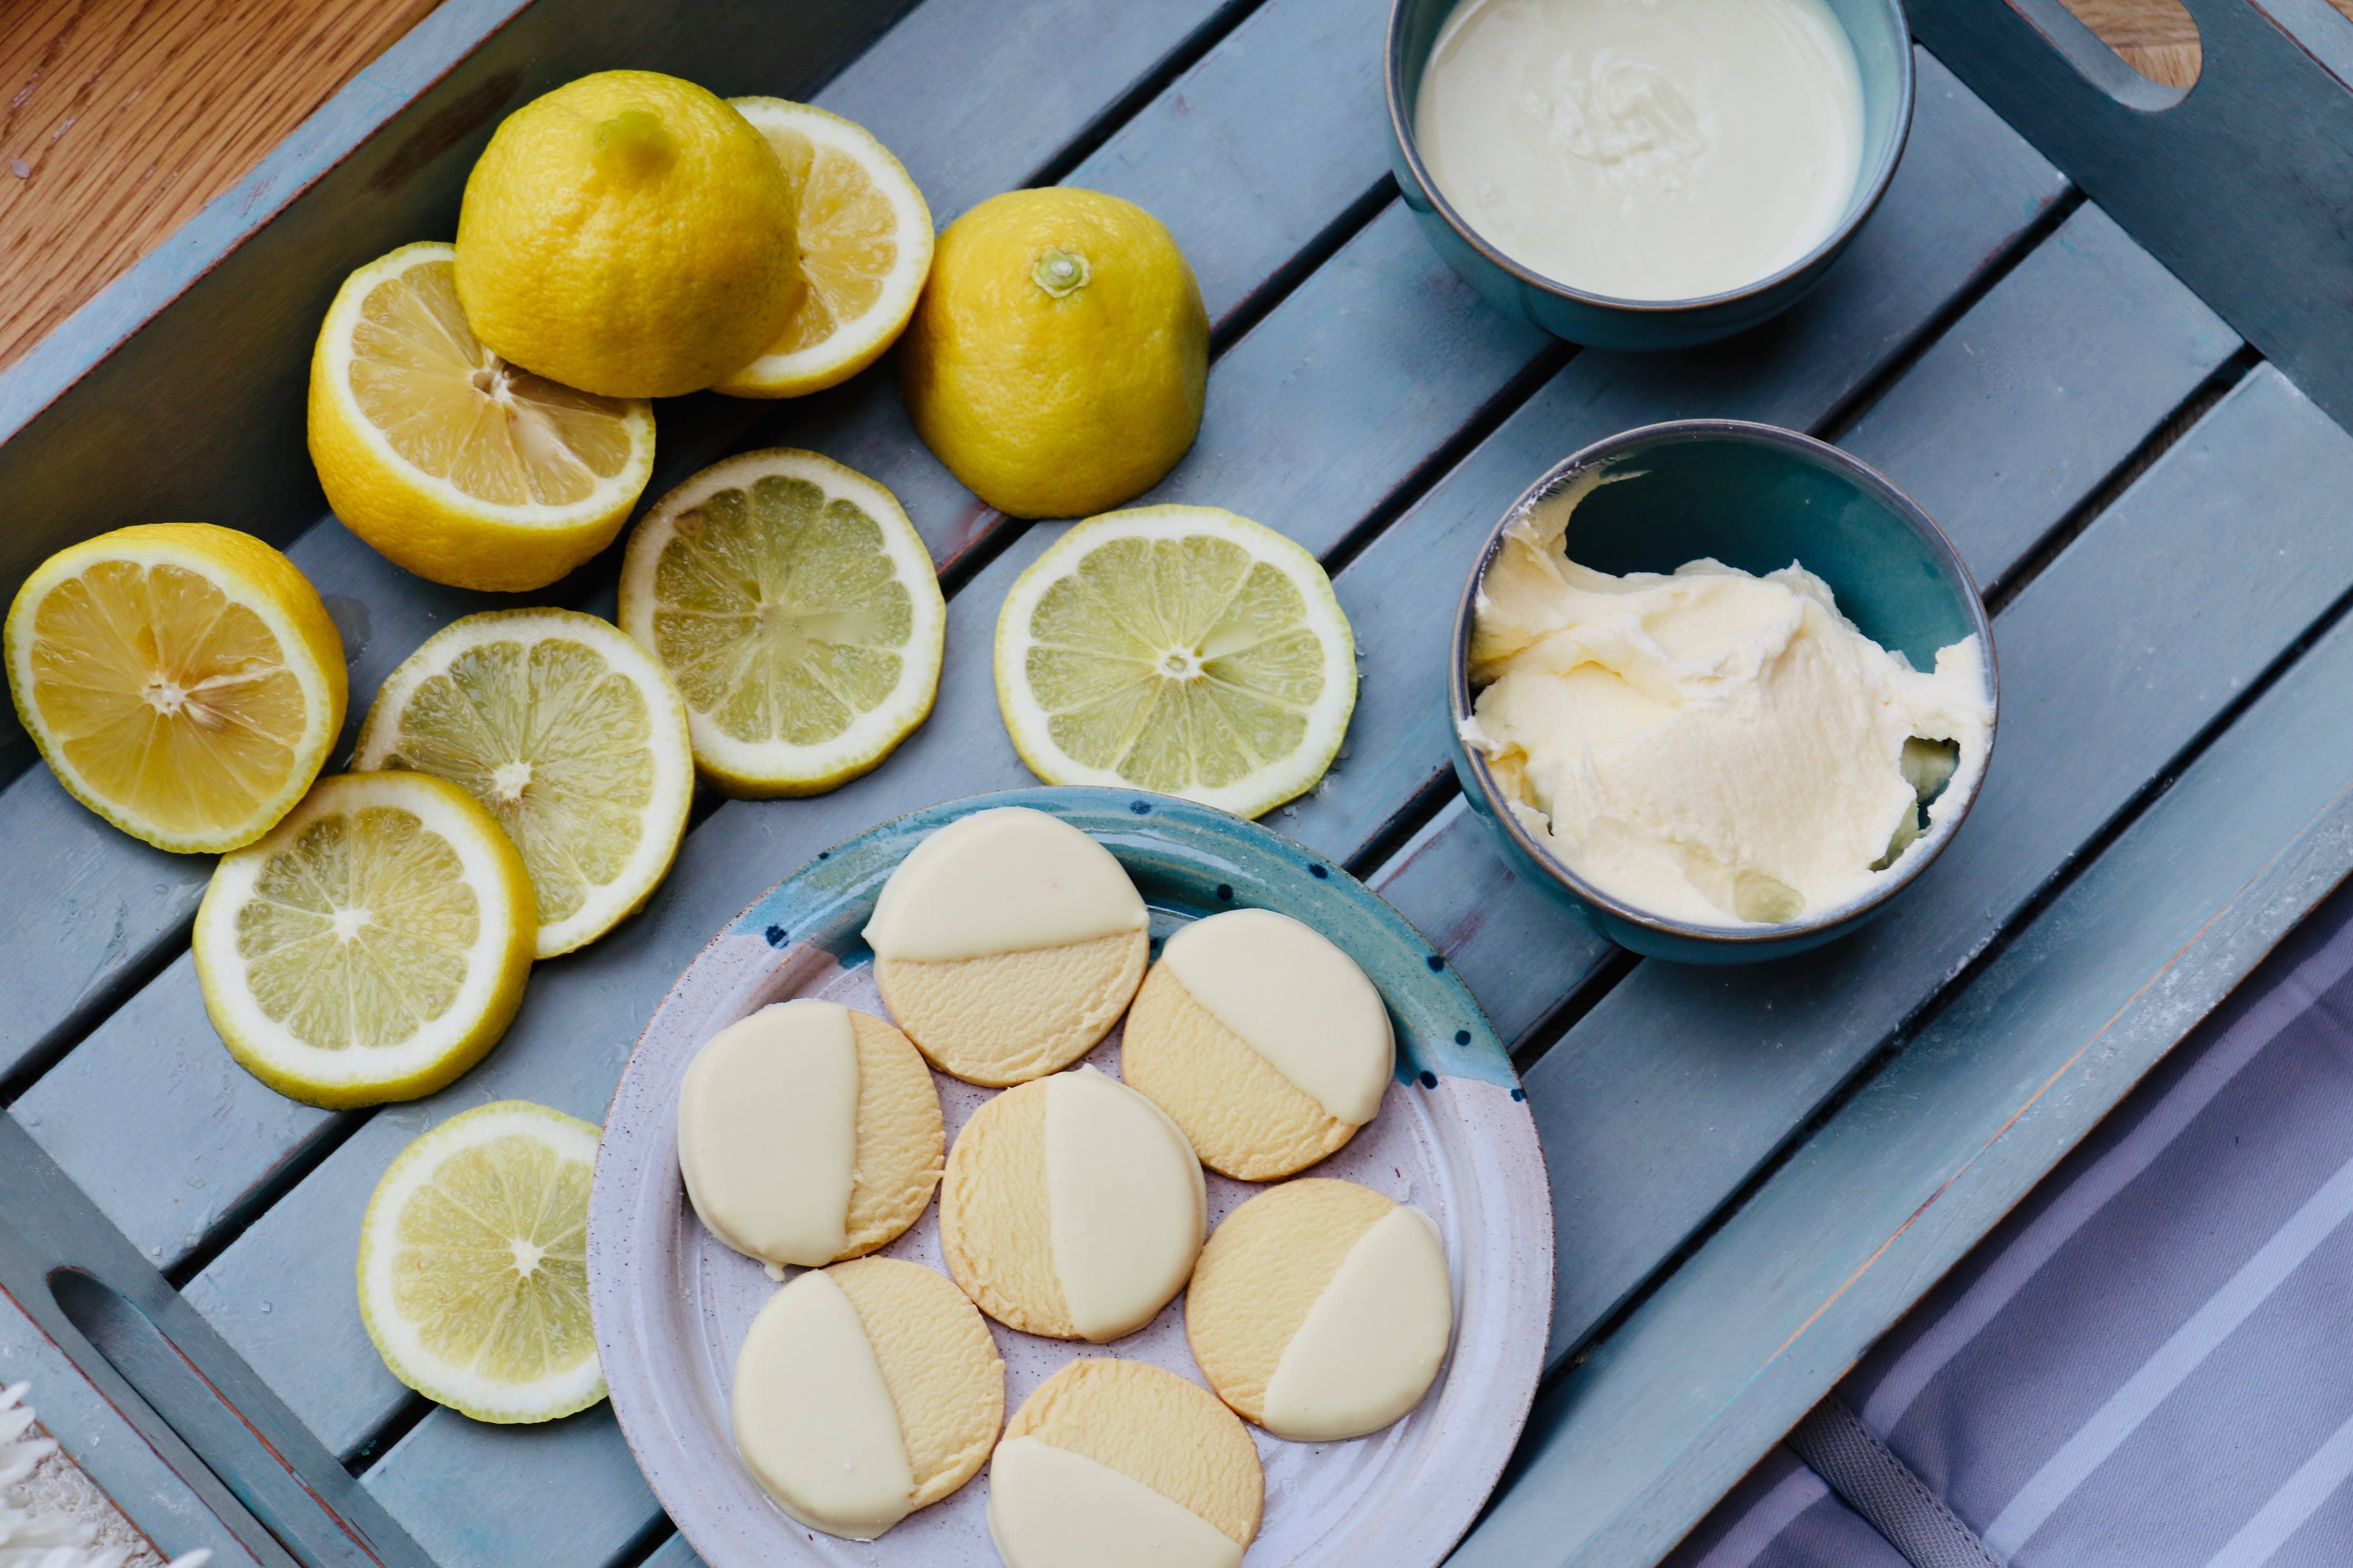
x,y
1722,688
1646,174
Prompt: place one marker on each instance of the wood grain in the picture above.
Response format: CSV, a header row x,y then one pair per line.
x,y
123,117
2156,37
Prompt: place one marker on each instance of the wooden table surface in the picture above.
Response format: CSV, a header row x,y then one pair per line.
x,y
124,117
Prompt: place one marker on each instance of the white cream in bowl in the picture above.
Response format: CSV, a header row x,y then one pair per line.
x,y
1644,149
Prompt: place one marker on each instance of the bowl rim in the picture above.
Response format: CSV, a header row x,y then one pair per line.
x,y
1459,698
1401,131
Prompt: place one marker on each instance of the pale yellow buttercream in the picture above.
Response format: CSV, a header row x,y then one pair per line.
x,y
1711,746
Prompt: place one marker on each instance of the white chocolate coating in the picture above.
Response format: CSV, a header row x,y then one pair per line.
x,y
814,1420
767,1132
1125,1200
1373,1342
1050,1507
1296,1000
1006,880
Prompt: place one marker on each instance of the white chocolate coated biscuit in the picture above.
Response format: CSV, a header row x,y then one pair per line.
x,y
1007,944
1074,1208
1322,1310
808,1133
864,1392
1120,1462
1264,1041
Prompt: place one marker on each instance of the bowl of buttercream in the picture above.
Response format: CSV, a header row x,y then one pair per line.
x,y
1651,174
1722,688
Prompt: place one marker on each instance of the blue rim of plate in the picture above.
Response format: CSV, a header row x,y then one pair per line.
x,y
1443,1033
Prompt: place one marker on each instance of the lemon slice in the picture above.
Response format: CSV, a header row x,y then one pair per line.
x,y
473,1272
456,464
865,243
372,947
183,680
797,610
572,736
1181,649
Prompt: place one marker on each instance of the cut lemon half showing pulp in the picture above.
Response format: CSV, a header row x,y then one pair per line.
x,y
571,737
184,681
372,947
798,611
865,238
456,464
1181,649
473,1271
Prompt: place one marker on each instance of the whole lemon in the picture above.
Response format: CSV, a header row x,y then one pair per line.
x,y
1058,359
631,235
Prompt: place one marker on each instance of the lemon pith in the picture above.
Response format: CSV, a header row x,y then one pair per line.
x,y
182,680
570,734
1058,360
627,234
473,1279
798,611
457,465
371,948
865,240
1181,649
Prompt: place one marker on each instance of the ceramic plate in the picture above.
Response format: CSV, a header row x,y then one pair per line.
x,y
1453,1136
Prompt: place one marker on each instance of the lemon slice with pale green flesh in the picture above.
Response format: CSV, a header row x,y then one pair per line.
x,y
570,734
372,947
473,1272
1181,649
184,681
798,611
865,239
456,464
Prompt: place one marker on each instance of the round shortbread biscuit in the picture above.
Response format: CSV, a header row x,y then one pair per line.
x,y
1299,1019
1007,944
1320,1310
864,1392
758,1100
1072,1208
1163,1438
1010,1017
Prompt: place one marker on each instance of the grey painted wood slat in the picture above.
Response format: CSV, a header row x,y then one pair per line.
x,y
109,1448
1635,1444
1664,1098
2090,319
2001,428
1520,953
126,903
582,1013
567,1492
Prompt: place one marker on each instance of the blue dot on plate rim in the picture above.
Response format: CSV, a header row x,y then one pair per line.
x,y
1225,892
1429,1078
1141,808
1437,964
776,935
1318,873
1462,1036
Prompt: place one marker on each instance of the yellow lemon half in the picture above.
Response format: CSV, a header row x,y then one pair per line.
x,y
627,234
457,465
865,239
1058,358
184,681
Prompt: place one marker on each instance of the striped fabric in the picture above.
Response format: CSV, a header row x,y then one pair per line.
x,y
2150,1364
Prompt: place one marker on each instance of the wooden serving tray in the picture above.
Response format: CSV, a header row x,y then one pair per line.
x,y
2098,331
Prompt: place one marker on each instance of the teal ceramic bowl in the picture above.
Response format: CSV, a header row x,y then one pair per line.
x,y
1756,496
1882,48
